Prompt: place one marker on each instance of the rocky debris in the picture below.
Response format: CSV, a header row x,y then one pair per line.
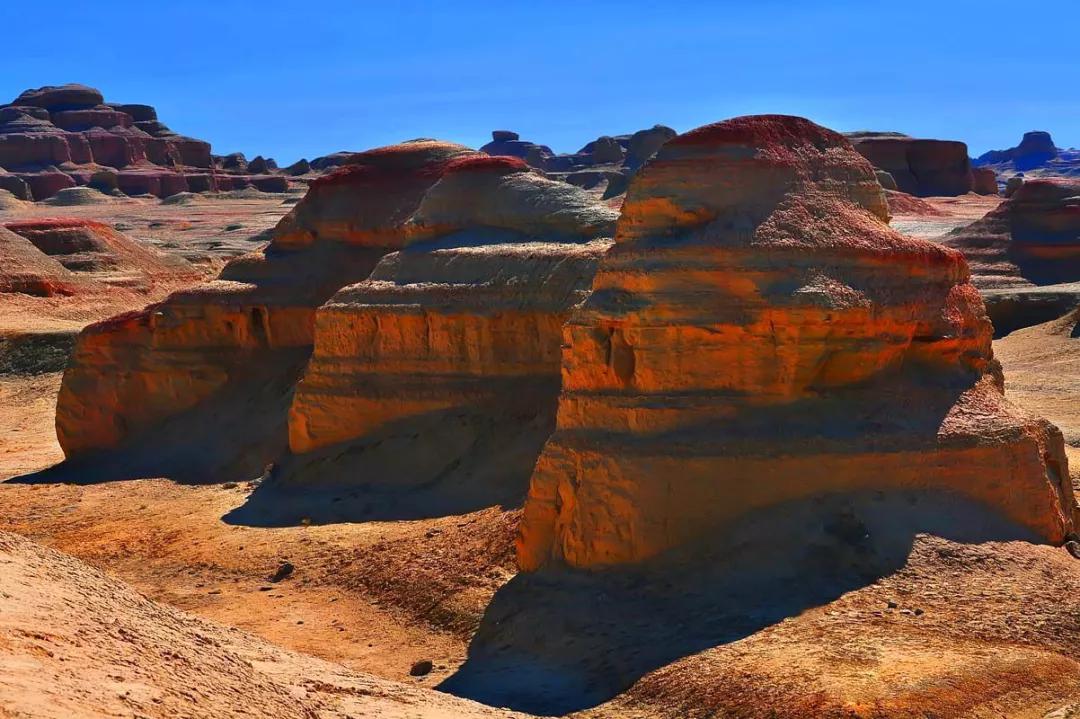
x,y
856,359
99,253
924,168
218,362
58,137
284,570
1025,254
442,368
1013,184
605,164
1035,156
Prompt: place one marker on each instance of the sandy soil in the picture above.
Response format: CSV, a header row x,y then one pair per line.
x,y
950,213
138,658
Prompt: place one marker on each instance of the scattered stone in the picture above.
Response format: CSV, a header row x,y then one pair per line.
x,y
284,570
421,668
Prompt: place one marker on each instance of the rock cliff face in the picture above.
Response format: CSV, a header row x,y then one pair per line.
x,y
758,335
924,168
57,137
1025,254
219,361
444,364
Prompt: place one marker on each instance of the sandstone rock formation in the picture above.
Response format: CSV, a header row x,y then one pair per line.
x,y
26,269
924,168
57,137
95,252
219,361
1025,254
444,364
758,335
1036,155
984,181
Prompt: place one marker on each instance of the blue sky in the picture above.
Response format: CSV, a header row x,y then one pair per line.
x,y
292,79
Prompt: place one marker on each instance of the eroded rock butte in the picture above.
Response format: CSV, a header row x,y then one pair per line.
x,y
759,335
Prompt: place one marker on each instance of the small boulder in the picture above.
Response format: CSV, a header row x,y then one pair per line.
x,y
421,668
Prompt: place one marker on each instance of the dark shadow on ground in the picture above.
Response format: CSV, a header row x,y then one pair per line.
x,y
431,465
229,438
559,640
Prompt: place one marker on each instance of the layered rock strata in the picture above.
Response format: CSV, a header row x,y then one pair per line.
x,y
445,362
26,269
1037,155
219,361
1025,254
98,253
52,138
924,168
758,335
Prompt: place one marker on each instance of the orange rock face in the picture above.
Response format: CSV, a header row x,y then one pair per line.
x,y
759,335
455,339
219,361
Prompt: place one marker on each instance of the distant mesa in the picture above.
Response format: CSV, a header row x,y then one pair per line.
x,y
54,138
604,165
923,168
1035,156
1025,254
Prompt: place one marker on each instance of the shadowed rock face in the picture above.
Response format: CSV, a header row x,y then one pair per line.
x,y
924,168
443,366
1036,155
1025,254
218,362
758,335
57,137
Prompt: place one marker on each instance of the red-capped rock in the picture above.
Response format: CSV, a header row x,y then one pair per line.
x,y
219,361
759,336
442,368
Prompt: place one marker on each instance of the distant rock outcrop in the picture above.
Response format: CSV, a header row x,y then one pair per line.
x,y
443,366
1035,156
604,165
851,358
1025,254
924,168
57,137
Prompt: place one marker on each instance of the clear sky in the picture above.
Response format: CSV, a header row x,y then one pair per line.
x,y
305,78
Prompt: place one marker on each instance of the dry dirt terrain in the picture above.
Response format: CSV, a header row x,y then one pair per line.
x,y
880,621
